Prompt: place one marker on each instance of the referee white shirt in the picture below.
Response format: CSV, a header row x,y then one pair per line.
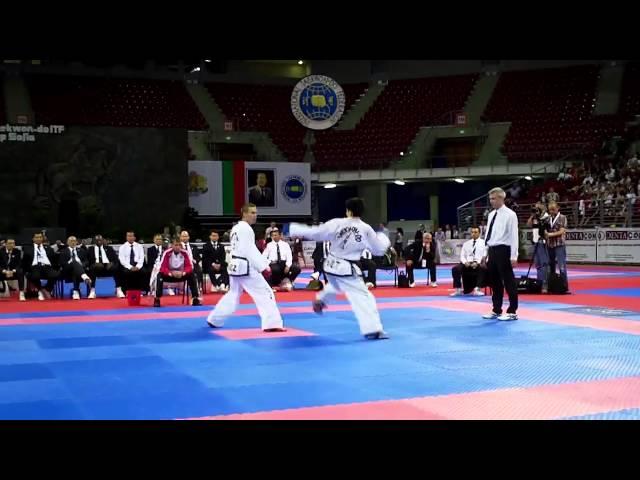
x,y
271,252
472,251
503,230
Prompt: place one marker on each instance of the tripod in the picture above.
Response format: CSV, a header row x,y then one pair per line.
x,y
539,244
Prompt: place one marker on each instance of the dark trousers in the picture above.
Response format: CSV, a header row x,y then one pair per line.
x,y
431,266
218,277
197,275
318,267
189,277
277,273
101,270
558,255
369,266
17,275
73,271
501,275
133,280
473,277
40,272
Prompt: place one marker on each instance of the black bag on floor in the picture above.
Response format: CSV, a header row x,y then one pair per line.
x,y
529,285
403,280
526,284
557,284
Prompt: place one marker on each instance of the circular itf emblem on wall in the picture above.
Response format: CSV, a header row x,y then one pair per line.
x,y
448,250
294,188
317,102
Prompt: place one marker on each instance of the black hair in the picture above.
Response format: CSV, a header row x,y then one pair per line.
x,y
355,205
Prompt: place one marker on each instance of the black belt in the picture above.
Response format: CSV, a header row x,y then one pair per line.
x,y
496,246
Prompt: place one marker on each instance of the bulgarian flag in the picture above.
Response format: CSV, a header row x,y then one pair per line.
x,y
233,187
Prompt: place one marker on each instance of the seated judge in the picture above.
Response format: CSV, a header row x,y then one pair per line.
x,y
103,263
214,263
421,255
40,262
131,257
74,265
10,265
176,266
367,264
470,272
278,253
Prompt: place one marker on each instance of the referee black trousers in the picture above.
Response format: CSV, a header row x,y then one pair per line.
x,y
501,277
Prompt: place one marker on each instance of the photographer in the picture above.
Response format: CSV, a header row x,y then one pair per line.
x,y
539,221
556,238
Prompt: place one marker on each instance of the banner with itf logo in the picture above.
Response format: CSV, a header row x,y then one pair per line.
x,y
449,250
279,188
276,188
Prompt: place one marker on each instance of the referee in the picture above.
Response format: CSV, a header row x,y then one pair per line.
x,y
502,255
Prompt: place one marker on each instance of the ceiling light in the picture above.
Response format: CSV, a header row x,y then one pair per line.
x,y
330,185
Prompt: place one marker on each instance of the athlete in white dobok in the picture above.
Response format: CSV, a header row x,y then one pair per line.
x,y
349,237
246,270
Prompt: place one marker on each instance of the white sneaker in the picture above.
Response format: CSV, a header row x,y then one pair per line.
x,y
172,292
40,296
490,316
434,284
214,289
369,285
508,317
120,293
22,297
477,292
92,294
76,295
412,285
457,293
224,288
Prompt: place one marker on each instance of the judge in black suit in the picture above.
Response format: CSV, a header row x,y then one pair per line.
x,y
194,253
368,264
10,265
214,263
74,264
260,194
102,262
40,262
319,254
422,255
154,252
